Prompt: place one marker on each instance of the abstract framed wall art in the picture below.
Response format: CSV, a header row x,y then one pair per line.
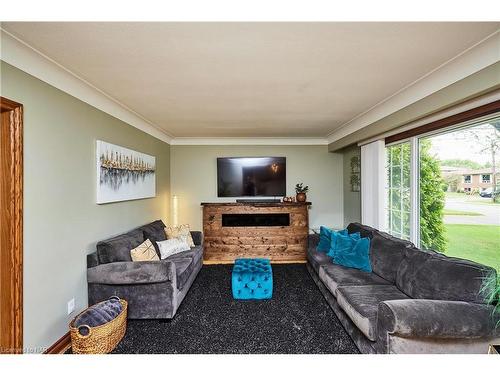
x,y
123,174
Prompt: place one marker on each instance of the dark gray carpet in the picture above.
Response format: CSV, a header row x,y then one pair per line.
x,y
296,320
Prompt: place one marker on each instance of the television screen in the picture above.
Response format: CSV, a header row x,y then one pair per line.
x,y
251,177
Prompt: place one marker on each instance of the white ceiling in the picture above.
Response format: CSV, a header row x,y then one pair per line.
x,y
250,79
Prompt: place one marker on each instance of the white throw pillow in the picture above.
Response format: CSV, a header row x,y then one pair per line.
x,y
171,247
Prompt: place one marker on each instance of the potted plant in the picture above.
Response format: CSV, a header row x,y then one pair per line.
x,y
301,191
491,292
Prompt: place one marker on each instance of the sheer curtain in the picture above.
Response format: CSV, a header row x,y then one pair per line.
x,y
373,181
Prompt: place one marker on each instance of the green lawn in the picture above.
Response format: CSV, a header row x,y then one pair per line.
x,y
480,243
450,194
460,213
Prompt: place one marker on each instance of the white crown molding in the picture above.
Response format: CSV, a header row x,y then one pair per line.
x,y
28,59
264,141
481,55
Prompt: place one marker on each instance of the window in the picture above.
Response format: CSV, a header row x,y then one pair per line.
x,y
430,200
398,190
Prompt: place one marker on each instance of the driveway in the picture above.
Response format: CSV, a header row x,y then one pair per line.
x,y
490,212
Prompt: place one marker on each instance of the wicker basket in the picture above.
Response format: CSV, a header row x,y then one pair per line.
x,y
101,339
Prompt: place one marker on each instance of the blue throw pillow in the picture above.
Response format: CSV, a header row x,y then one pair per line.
x,y
340,241
325,235
358,256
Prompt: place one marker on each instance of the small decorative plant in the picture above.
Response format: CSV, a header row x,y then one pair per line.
x,y
301,191
300,188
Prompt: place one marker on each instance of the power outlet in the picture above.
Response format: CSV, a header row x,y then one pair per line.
x,y
71,306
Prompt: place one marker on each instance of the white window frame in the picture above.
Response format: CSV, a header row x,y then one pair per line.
x,y
415,191
388,226
486,175
470,179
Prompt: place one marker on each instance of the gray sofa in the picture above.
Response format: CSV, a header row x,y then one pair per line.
x,y
153,289
414,301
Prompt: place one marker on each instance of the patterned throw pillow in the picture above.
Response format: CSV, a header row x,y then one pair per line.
x,y
172,246
145,251
181,232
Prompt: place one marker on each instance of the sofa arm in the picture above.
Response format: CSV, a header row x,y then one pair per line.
x,y
126,273
92,260
197,237
313,241
437,319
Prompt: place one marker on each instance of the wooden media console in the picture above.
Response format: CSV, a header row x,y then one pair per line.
x,y
277,231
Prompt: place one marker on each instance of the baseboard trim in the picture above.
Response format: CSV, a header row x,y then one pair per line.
x,y
60,346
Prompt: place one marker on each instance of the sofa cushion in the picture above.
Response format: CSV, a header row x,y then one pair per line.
x,y
312,240
195,253
183,269
316,258
334,276
386,254
154,232
365,230
171,247
117,249
181,231
358,256
360,303
426,274
341,242
144,252
325,239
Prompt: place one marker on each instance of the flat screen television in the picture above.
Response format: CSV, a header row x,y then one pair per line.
x,y
251,177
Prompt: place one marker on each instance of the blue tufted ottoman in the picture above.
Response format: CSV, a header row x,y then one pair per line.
x,y
252,279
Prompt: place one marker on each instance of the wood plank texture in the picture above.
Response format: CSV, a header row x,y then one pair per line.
x,y
60,346
443,123
11,229
280,244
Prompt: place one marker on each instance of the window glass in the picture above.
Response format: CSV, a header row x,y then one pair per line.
x,y
398,190
459,214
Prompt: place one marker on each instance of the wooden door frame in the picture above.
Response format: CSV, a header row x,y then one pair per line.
x,y
11,236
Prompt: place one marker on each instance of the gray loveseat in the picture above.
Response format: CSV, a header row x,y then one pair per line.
x,y
415,301
153,289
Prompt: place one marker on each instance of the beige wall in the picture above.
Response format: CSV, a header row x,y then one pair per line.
x,y
352,200
194,178
62,222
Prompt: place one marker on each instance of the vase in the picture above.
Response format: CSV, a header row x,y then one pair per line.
x,y
301,197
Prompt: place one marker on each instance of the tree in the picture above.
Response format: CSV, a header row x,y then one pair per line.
x,y
491,144
451,182
488,137
432,198
461,163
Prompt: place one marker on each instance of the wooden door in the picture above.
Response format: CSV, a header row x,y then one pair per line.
x,y
11,229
